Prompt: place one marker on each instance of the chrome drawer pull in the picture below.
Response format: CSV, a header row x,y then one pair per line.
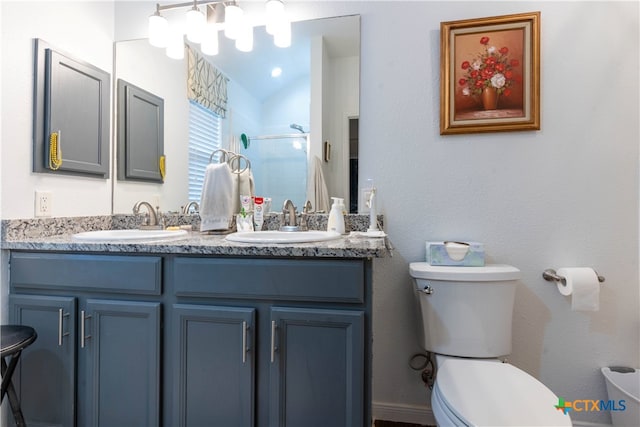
x,y
244,342
273,340
83,337
61,316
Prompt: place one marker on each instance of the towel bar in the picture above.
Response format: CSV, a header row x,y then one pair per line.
x,y
550,275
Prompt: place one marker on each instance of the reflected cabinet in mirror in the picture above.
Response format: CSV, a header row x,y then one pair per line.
x,y
282,124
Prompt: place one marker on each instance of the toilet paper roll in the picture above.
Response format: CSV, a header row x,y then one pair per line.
x,y
583,286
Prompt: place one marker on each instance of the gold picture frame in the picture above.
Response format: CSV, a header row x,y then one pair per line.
x,y
490,74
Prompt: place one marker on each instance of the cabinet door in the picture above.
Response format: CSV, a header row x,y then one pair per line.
x,y
71,112
213,349
317,368
46,377
119,359
140,133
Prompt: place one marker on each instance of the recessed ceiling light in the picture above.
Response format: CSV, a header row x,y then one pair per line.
x,y
276,72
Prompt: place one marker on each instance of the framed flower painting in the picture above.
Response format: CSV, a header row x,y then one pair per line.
x,y
490,74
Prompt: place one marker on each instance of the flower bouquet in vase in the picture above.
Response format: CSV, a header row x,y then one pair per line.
x,y
489,75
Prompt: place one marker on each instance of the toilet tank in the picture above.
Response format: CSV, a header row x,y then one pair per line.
x,y
465,311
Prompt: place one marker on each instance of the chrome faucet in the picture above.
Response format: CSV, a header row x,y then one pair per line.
x,y
307,208
290,209
153,214
304,218
193,204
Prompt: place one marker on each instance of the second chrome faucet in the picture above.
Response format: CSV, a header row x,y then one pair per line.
x,y
289,210
152,222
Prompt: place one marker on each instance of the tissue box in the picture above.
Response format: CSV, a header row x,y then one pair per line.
x,y
456,254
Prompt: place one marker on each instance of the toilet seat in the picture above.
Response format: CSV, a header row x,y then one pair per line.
x,y
485,393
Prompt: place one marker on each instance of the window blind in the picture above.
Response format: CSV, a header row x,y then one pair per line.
x,y
204,138
206,84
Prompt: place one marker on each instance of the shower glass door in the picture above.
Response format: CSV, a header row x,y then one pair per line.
x,y
279,167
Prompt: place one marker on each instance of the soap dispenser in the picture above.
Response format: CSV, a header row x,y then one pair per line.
x,y
336,216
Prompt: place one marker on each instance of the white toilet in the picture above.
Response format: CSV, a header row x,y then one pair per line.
x,y
466,322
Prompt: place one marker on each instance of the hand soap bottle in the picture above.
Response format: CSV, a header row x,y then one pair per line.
x,y
336,216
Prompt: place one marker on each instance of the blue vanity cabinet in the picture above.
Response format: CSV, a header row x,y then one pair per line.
x,y
46,380
213,365
119,363
312,341
191,340
317,367
96,361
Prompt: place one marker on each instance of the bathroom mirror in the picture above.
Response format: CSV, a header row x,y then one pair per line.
x,y
318,87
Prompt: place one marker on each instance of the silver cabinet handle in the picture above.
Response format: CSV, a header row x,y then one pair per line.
x,y
244,341
83,337
273,340
61,316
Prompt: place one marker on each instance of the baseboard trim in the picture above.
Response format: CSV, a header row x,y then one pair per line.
x,y
577,423
402,413
423,415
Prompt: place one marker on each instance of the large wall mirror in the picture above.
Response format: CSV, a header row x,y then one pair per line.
x,y
313,105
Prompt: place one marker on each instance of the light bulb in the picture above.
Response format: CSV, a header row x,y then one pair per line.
x,y
209,44
276,72
283,37
232,21
244,42
158,28
196,22
274,10
175,47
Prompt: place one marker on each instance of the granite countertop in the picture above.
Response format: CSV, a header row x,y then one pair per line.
x,y
43,237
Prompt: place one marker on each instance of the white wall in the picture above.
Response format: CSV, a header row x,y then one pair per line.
x,y
83,30
343,103
565,195
288,105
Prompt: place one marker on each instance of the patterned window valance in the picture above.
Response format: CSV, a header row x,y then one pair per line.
x,y
206,84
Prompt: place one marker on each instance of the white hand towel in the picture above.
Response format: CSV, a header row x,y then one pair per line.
x,y
216,202
243,186
317,187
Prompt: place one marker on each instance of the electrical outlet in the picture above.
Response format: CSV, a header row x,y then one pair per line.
x,y
363,205
43,203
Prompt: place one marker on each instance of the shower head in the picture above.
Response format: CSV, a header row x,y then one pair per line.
x,y
297,127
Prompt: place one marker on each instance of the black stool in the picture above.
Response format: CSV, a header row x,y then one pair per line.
x,y
13,339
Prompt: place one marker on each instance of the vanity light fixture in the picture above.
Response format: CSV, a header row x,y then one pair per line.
x,y
283,37
158,30
175,43
244,41
236,26
209,45
196,22
233,21
275,15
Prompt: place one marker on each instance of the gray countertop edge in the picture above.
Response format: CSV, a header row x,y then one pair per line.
x,y
201,244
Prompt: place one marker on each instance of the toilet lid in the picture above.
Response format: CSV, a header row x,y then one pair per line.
x,y
488,273
496,394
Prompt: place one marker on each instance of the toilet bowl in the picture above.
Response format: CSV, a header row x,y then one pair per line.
x,y
466,315
487,392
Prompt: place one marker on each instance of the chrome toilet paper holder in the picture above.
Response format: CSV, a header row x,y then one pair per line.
x,y
550,275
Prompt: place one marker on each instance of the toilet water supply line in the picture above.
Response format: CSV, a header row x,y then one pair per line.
x,y
427,367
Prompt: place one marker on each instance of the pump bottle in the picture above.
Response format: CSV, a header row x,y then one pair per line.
x,y
336,216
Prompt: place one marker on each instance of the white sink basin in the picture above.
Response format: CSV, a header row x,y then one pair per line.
x,y
129,235
282,236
